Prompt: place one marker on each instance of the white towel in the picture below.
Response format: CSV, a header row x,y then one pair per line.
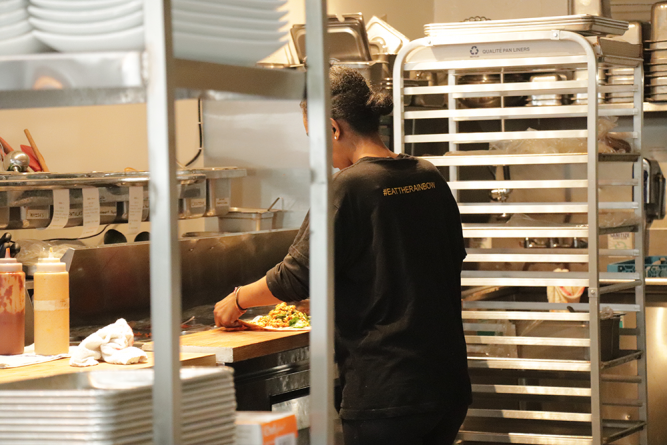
x,y
112,343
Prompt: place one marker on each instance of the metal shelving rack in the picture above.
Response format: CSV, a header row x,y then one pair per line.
x,y
538,375
157,78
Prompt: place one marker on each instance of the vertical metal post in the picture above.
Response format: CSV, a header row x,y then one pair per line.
x,y
321,226
638,195
165,267
453,128
593,250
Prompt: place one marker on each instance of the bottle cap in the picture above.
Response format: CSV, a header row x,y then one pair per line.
x,y
50,264
9,264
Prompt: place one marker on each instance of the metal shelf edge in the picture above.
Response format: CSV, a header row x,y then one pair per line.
x,y
274,83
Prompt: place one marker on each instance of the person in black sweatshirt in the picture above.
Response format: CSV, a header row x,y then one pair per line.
x,y
398,253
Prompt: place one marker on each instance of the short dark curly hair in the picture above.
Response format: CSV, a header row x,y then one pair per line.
x,y
353,100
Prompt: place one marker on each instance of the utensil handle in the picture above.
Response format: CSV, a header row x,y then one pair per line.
x,y
40,158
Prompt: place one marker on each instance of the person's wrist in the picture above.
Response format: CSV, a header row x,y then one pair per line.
x,y
236,300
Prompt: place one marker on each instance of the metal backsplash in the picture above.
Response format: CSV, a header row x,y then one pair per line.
x,y
112,281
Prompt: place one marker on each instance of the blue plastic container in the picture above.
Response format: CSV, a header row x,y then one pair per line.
x,y
652,270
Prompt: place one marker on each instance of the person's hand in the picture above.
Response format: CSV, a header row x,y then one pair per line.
x,y
226,312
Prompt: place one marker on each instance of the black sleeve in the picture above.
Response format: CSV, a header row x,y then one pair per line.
x,y
288,281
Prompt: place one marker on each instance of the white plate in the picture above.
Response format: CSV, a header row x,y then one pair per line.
x,y
76,5
15,30
130,39
9,18
12,5
226,22
107,26
256,4
227,11
229,33
221,50
25,44
86,16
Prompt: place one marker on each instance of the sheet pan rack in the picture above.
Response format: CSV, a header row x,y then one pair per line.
x,y
541,374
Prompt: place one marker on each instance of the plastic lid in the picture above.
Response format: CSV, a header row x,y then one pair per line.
x,y
50,264
9,264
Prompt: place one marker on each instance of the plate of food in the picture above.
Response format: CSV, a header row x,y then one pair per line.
x,y
282,318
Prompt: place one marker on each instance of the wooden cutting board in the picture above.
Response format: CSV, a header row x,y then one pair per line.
x,y
235,346
62,366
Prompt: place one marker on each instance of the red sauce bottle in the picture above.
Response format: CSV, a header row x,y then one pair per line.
x,y
12,306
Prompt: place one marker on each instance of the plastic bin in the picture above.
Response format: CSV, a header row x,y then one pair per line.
x,y
652,270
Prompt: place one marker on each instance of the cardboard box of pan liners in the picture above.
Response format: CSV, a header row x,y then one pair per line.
x,y
265,428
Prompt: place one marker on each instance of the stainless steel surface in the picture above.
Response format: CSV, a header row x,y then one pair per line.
x,y
87,71
583,24
202,192
211,266
656,321
387,39
547,99
165,259
16,161
490,102
347,39
321,230
659,21
246,220
593,7
202,76
65,79
658,80
534,159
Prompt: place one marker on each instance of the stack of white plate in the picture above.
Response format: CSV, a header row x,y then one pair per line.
x,y
236,32
16,35
240,32
104,407
89,25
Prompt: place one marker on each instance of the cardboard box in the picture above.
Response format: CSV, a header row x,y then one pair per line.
x,y
265,428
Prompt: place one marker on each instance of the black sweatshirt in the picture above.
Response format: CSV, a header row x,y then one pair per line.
x,y
398,253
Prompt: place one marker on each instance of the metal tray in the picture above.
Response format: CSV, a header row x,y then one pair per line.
x,y
348,41
583,24
385,37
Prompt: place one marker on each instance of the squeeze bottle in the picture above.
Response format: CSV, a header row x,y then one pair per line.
x,y
12,306
51,306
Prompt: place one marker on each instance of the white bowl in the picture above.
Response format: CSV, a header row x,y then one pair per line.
x,y
107,26
228,33
129,39
25,44
15,30
12,5
256,4
86,16
76,5
226,22
227,11
221,50
10,18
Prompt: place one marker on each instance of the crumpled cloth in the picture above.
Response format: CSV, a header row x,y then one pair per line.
x,y
112,343
564,294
